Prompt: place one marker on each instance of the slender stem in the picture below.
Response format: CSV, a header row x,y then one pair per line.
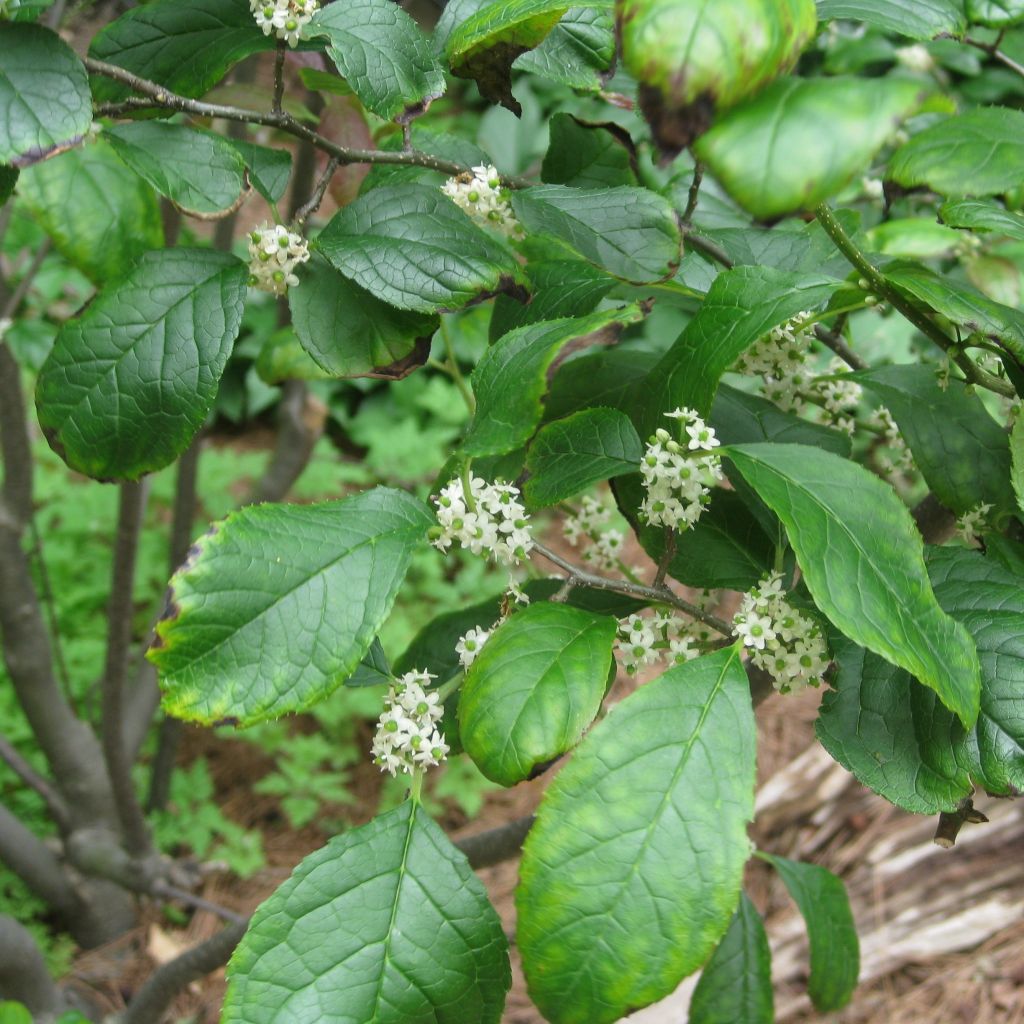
x,y
50,606
453,368
19,293
992,49
416,786
309,208
666,557
694,193
279,75
917,315
119,636
282,120
166,891
31,778
658,595
834,340
445,690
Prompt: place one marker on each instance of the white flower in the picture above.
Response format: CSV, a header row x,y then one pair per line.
x,y
481,196
973,523
407,737
779,359
915,58
470,645
785,643
872,188
677,480
283,18
490,521
274,252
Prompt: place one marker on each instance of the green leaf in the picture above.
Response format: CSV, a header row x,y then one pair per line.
x,y
269,169
588,155
1017,460
743,305
568,456
534,688
630,232
862,560
913,238
131,379
412,247
979,153
835,951
386,923
578,52
735,986
995,13
836,125
961,451
484,46
198,171
282,358
384,57
693,57
559,288
186,45
373,670
644,830
45,105
14,1013
918,19
982,215
885,728
511,379
350,333
8,181
280,603
100,215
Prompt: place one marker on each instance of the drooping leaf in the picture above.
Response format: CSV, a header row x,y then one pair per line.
x,y
961,451
348,331
387,923
977,153
918,19
570,455
983,215
995,13
382,54
835,951
742,306
510,381
534,689
45,105
862,560
186,45
100,215
588,155
559,288
693,57
881,725
412,247
131,379
643,830
735,986
198,171
632,233
269,169
837,125
1017,460
278,605
578,52
485,45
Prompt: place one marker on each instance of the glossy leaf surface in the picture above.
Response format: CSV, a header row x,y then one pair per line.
x,y
918,19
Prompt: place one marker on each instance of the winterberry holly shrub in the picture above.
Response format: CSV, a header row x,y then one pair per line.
x,y
751,279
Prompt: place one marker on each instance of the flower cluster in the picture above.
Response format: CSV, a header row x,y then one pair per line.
x,y
901,461
283,18
480,194
407,737
780,358
645,640
789,646
470,645
588,521
677,475
274,253
973,523
490,519
840,397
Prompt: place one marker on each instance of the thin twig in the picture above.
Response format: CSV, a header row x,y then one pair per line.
x,y
919,316
28,775
279,75
282,120
834,340
119,635
21,290
658,595
313,204
666,557
992,49
165,891
49,604
694,193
